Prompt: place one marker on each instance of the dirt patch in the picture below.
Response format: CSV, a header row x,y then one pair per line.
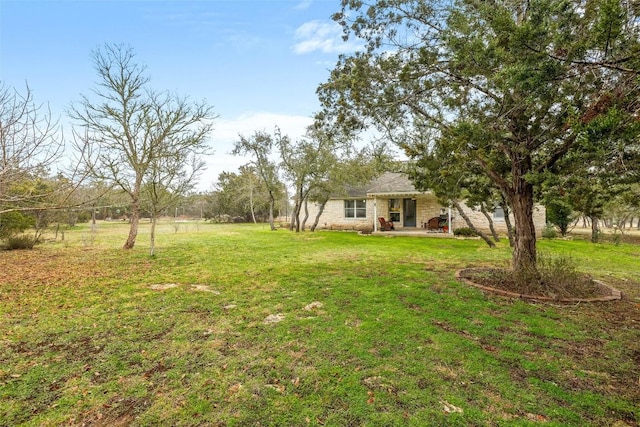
x,y
314,305
163,287
198,288
273,318
204,288
119,411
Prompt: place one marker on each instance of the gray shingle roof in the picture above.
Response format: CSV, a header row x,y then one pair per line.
x,y
391,182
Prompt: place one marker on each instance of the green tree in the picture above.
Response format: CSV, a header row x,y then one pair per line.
x,y
132,128
14,222
515,83
260,146
560,213
308,163
242,195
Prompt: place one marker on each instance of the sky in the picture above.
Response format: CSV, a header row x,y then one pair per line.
x,y
257,62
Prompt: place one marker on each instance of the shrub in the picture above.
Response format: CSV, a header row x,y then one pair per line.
x,y
22,241
558,276
465,232
14,222
549,231
83,217
559,269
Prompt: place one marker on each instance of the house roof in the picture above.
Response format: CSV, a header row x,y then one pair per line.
x,y
391,183
387,184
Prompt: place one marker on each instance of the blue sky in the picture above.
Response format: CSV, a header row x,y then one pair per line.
x,y
258,63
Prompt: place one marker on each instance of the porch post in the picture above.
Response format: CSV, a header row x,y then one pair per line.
x,y
375,213
449,221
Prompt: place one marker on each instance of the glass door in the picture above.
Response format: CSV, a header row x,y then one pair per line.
x,y
409,206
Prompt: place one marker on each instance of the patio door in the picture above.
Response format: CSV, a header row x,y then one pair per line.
x,y
409,214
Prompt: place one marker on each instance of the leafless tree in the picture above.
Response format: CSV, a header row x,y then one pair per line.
x,y
130,128
31,145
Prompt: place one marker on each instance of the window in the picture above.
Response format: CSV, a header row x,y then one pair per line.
x,y
394,210
498,213
355,208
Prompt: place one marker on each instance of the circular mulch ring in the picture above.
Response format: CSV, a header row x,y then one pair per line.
x,y
608,293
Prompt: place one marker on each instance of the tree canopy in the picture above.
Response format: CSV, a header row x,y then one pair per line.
x,y
512,88
259,146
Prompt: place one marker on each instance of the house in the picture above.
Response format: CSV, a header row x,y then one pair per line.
x,y
393,197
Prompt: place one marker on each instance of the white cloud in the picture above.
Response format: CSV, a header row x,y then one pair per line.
x,y
323,36
303,5
226,132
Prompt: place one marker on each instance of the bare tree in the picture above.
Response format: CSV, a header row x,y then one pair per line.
x,y
170,178
30,143
130,127
34,179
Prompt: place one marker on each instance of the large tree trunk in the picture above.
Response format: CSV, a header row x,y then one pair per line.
x,y
524,251
297,215
292,221
464,216
320,211
295,220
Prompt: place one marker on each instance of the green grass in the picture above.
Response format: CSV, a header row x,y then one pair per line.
x,y
86,340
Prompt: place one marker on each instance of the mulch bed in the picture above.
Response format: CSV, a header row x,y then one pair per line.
x,y
501,282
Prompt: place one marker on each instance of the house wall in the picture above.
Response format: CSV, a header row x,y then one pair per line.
x,y
480,221
333,217
426,207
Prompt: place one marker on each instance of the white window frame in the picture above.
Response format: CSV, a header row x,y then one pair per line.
x,y
355,209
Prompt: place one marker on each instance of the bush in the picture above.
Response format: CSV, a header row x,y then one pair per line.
x,y
83,217
14,222
465,232
22,241
549,231
560,269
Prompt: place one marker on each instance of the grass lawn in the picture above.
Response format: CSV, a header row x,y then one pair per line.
x,y
235,325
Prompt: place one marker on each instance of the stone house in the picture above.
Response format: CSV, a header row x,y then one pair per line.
x,y
393,197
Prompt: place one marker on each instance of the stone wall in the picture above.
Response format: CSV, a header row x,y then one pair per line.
x,y
333,217
480,221
426,207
